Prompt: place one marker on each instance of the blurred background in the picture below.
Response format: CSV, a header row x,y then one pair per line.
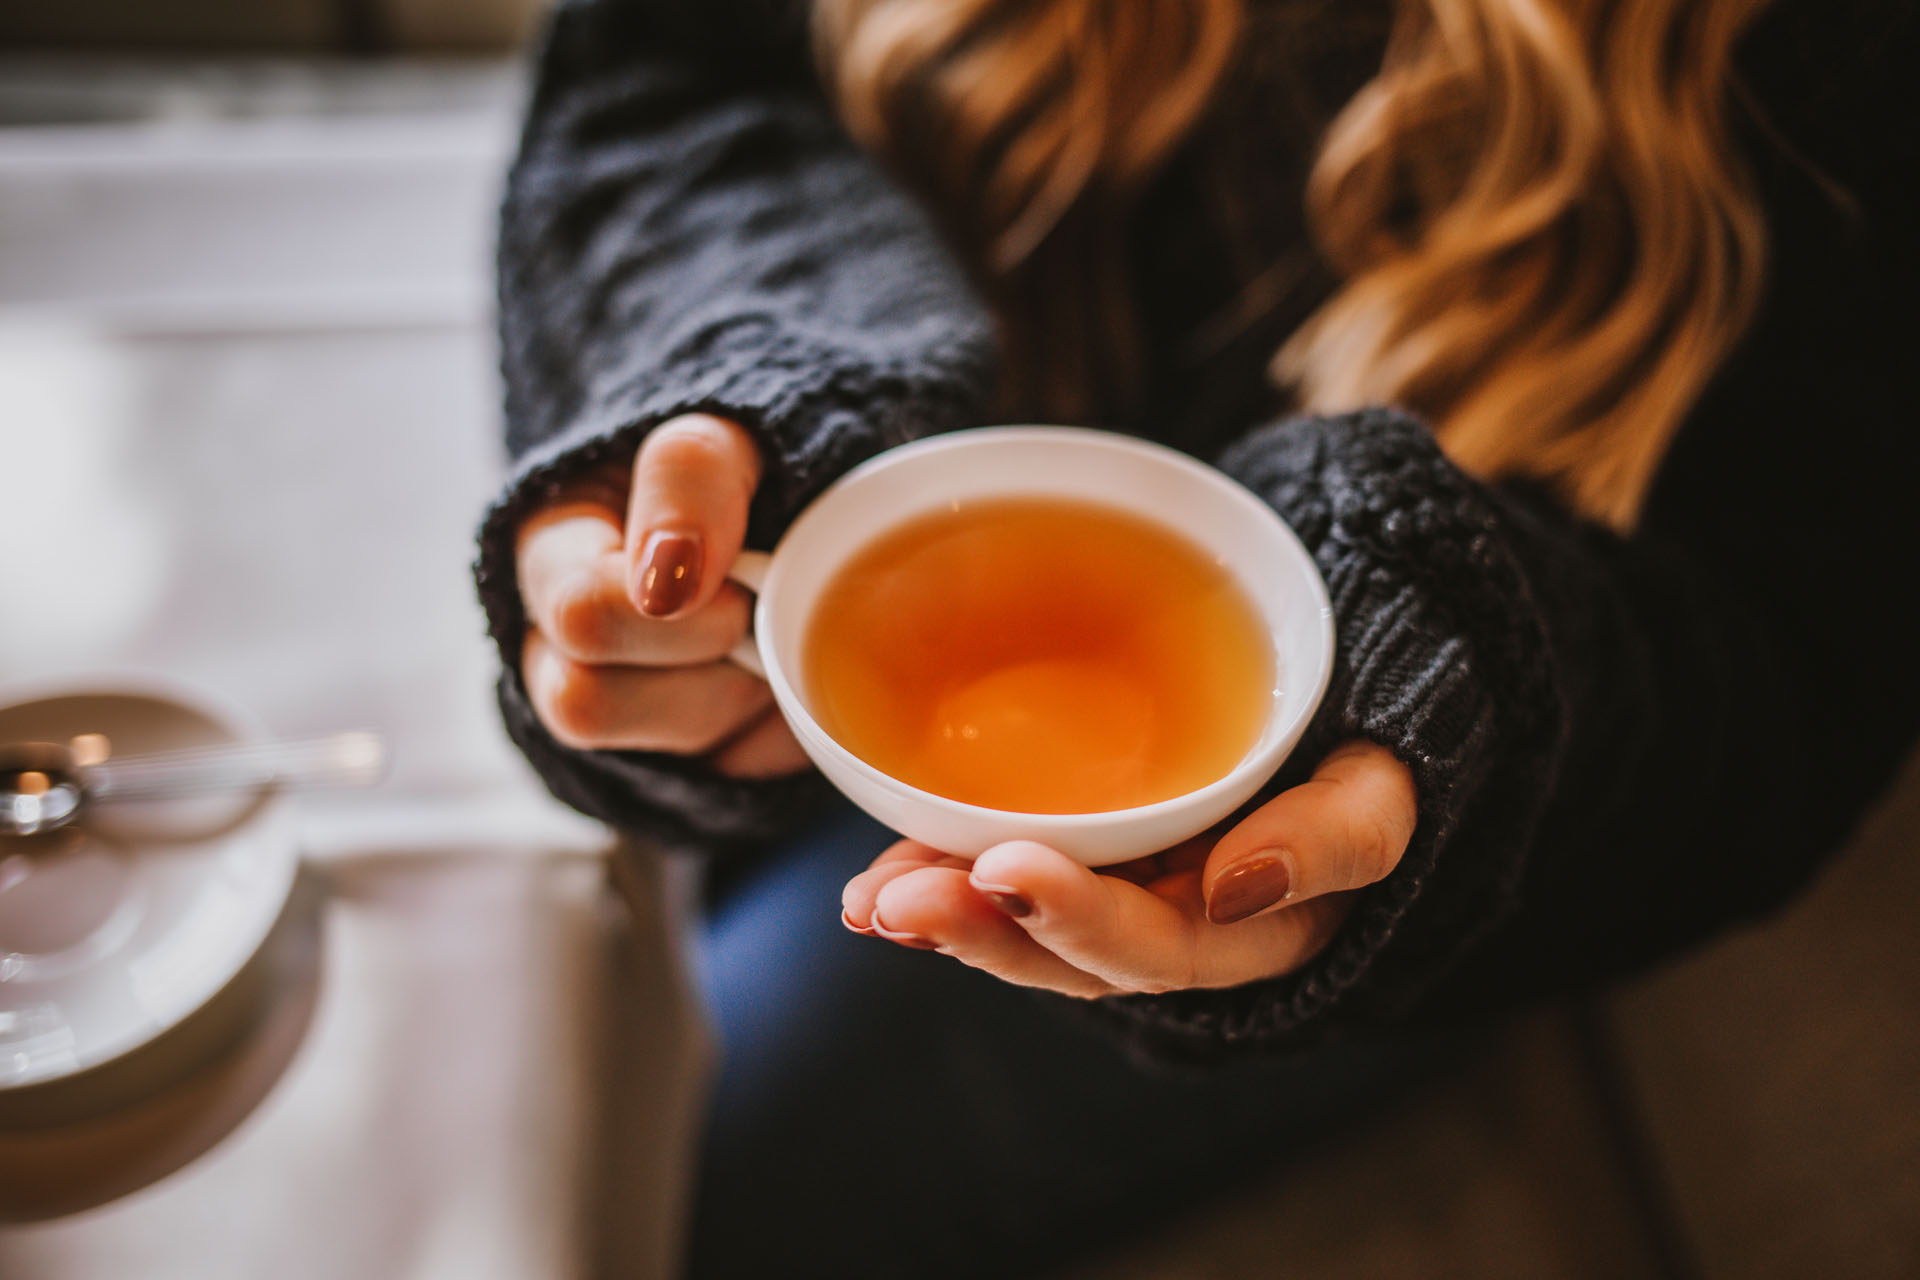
x,y
247,421
303,28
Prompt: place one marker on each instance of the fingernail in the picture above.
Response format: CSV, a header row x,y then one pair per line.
x,y
1011,901
904,939
669,572
1249,887
847,920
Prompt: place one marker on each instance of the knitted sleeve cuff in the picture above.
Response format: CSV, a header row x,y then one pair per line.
x,y
1441,657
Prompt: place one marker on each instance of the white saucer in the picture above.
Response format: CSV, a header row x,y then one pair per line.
x,y
113,934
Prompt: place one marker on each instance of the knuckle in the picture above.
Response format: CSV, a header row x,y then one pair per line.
x,y
581,622
697,444
1374,843
1361,750
1178,971
574,705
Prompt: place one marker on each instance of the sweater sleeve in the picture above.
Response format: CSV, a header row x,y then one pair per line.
x,y
1624,744
663,250
1621,746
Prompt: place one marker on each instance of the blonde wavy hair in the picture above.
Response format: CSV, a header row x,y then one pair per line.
x,y
1545,242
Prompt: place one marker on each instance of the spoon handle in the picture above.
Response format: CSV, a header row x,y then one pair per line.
x,y
342,759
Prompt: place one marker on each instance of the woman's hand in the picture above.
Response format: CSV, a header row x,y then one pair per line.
x,y
1262,901
631,614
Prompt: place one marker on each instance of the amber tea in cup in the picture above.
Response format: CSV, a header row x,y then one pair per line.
x,y
1072,629
1040,655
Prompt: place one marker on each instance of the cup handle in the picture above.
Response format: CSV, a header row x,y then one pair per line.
x,y
749,570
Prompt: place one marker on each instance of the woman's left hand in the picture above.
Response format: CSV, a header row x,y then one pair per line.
x,y
1217,911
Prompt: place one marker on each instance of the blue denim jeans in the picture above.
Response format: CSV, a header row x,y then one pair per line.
x,y
885,1112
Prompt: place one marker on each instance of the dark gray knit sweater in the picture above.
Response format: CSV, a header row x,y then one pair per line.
x,y
1620,744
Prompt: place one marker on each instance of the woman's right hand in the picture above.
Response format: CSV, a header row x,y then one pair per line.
x,y
631,615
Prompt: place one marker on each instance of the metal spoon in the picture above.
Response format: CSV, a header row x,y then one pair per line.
x,y
45,786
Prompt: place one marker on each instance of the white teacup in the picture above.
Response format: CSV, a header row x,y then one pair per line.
x,y
1271,566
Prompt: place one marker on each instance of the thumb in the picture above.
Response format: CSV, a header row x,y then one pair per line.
x,y
1344,828
693,480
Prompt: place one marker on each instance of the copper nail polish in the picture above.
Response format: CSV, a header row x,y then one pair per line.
x,y
1248,888
1010,901
669,572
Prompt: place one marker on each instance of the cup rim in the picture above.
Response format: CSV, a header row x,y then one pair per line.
x,y
1277,736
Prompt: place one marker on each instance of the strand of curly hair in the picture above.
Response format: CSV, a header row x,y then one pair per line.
x,y
1545,240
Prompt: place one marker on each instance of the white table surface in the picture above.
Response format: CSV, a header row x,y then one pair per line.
x,y
248,416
